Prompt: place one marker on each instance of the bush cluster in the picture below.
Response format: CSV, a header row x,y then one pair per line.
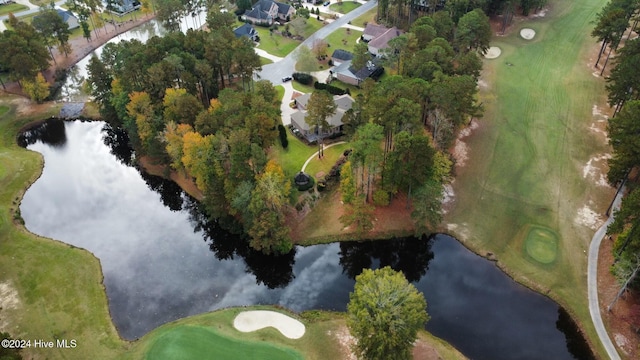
x,y
333,90
302,78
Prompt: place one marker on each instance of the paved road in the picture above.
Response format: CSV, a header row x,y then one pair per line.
x,y
276,71
592,282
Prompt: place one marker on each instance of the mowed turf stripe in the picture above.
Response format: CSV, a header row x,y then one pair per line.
x,y
198,342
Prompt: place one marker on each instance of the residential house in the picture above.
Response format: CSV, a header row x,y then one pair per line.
x,y
68,17
121,6
266,12
248,31
381,42
339,56
372,31
349,75
312,133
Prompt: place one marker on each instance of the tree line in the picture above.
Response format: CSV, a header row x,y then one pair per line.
x,y
402,126
617,19
403,13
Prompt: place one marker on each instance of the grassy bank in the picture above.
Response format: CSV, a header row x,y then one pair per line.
x,y
526,192
320,341
54,290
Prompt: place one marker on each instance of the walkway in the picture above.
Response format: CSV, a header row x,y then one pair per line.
x,y
316,153
592,283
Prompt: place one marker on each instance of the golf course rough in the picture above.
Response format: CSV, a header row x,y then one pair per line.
x,y
541,243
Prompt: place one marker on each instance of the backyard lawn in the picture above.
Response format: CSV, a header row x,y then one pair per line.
x,y
365,18
325,164
526,192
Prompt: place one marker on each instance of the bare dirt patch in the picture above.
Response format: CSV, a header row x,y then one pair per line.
x,y
620,325
460,148
595,169
186,183
589,218
9,300
345,342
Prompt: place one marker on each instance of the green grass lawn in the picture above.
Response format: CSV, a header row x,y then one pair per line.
x,y
342,38
11,8
293,157
265,61
344,7
525,166
58,286
212,336
325,164
302,87
199,342
365,18
275,44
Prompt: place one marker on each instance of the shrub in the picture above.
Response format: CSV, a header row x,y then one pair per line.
x,y
333,90
380,198
322,185
303,78
283,136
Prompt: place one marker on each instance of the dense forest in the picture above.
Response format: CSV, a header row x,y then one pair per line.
x,y
615,25
189,100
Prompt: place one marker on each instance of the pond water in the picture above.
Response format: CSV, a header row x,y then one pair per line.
x,y
162,260
73,88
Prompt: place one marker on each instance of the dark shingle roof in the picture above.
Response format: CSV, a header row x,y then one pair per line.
x,y
342,55
244,30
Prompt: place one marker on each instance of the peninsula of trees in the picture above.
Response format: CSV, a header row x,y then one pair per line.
x,y
189,100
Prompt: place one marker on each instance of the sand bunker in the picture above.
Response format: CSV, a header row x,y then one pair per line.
x,y
493,52
249,321
527,33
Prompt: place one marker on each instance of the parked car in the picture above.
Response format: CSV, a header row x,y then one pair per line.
x,y
326,3
286,78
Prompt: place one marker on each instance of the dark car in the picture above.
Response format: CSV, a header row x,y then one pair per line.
x,y
286,78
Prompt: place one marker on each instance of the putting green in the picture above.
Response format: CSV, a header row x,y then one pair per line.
x,y
541,244
199,342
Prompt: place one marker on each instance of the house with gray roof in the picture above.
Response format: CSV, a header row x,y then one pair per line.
x,y
68,17
339,56
313,133
381,42
349,75
248,31
266,12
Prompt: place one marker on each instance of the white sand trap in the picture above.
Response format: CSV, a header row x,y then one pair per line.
x,y
493,52
248,321
527,33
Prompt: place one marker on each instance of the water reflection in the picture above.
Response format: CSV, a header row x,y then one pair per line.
x,y
409,255
50,131
161,263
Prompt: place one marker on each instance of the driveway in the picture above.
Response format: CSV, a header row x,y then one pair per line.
x,y
276,71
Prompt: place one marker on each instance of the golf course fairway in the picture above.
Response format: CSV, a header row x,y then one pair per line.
x,y
531,191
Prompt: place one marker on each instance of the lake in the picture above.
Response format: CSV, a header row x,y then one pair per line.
x,y
162,260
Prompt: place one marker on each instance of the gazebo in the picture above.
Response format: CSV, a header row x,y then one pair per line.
x,y
302,179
